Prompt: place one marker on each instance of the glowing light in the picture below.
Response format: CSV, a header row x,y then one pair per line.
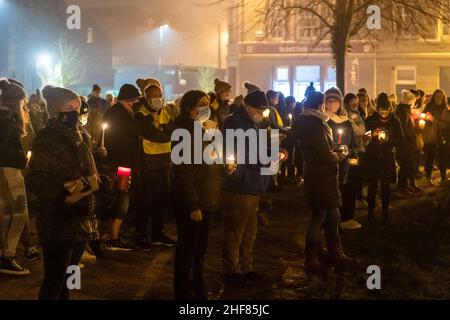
x,y
266,113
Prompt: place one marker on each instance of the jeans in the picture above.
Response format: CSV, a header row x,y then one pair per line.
x,y
385,195
154,202
327,218
430,157
13,210
190,256
57,257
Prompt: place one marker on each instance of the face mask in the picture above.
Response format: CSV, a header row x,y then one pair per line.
x,y
203,114
70,119
83,120
156,103
136,106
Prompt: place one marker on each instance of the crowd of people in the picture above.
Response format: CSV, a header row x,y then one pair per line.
x,y
83,164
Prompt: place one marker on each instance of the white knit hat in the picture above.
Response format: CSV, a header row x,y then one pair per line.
x,y
408,97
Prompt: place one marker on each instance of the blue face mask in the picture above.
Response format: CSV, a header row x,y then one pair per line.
x,y
70,119
203,114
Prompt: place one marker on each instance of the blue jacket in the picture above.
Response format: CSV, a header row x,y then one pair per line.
x,y
247,178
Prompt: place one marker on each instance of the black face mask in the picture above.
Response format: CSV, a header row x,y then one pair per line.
x,y
136,106
70,119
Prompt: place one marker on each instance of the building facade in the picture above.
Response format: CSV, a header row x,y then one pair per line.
x,y
290,56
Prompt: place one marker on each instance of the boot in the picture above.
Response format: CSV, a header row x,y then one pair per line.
x,y
313,263
336,255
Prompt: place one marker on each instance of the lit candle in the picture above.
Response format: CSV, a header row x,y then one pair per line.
x,y
123,178
290,120
423,116
422,124
266,113
382,135
105,125
340,132
231,159
29,155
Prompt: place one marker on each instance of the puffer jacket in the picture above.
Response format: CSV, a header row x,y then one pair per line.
x,y
57,159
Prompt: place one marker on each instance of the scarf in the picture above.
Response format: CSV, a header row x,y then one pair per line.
x,y
339,117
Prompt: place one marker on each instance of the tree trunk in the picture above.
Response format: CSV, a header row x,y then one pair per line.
x,y
339,55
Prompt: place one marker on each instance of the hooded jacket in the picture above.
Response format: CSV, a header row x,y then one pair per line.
x,y
11,152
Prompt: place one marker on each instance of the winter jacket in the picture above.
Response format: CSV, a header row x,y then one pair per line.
x,y
342,122
430,135
121,139
320,162
11,152
223,112
154,138
408,147
58,158
195,186
359,129
247,178
380,157
444,129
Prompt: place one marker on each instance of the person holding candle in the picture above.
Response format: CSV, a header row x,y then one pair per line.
x,y
343,137
66,205
155,165
122,145
406,153
196,191
433,111
443,154
386,134
321,166
13,205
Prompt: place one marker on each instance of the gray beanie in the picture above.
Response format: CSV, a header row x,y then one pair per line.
x,y
57,97
11,92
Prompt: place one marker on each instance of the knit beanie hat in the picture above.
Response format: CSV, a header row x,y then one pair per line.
x,y
250,87
383,102
256,99
57,97
334,93
11,92
84,108
408,97
221,86
128,92
143,84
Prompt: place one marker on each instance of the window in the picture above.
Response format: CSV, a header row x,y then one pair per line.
x,y
331,78
281,82
405,78
304,75
308,26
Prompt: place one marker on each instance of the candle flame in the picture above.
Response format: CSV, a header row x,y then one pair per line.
x,y
290,116
266,113
105,126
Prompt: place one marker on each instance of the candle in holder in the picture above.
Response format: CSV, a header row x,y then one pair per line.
x,y
340,132
422,124
382,135
423,116
29,155
231,159
266,113
123,178
105,125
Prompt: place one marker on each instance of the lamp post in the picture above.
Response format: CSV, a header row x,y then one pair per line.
x,y
161,39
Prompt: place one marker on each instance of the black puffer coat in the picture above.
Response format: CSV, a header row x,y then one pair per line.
x,y
380,157
408,147
56,160
320,163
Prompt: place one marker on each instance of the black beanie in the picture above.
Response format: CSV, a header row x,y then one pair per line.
x,y
10,91
96,87
314,100
256,99
128,92
84,108
383,102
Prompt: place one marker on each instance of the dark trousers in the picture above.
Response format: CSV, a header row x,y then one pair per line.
x,y
57,257
406,172
430,157
351,191
443,160
154,201
385,195
192,243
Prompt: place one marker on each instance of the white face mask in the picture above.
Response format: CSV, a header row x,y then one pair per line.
x,y
156,103
204,113
83,120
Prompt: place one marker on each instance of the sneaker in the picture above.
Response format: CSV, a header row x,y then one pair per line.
x,y
254,276
116,245
236,280
32,254
164,241
350,225
88,257
361,204
143,244
11,267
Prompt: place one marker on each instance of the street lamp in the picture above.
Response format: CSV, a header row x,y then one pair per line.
x,y
161,38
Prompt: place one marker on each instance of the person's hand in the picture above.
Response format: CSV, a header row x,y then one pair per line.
x,y
209,124
76,193
102,153
230,168
196,216
367,136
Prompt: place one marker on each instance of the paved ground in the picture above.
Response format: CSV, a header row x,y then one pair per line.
x,y
413,253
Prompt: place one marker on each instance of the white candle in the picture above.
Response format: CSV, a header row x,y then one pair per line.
x,y
29,155
422,124
290,120
340,132
266,113
105,125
